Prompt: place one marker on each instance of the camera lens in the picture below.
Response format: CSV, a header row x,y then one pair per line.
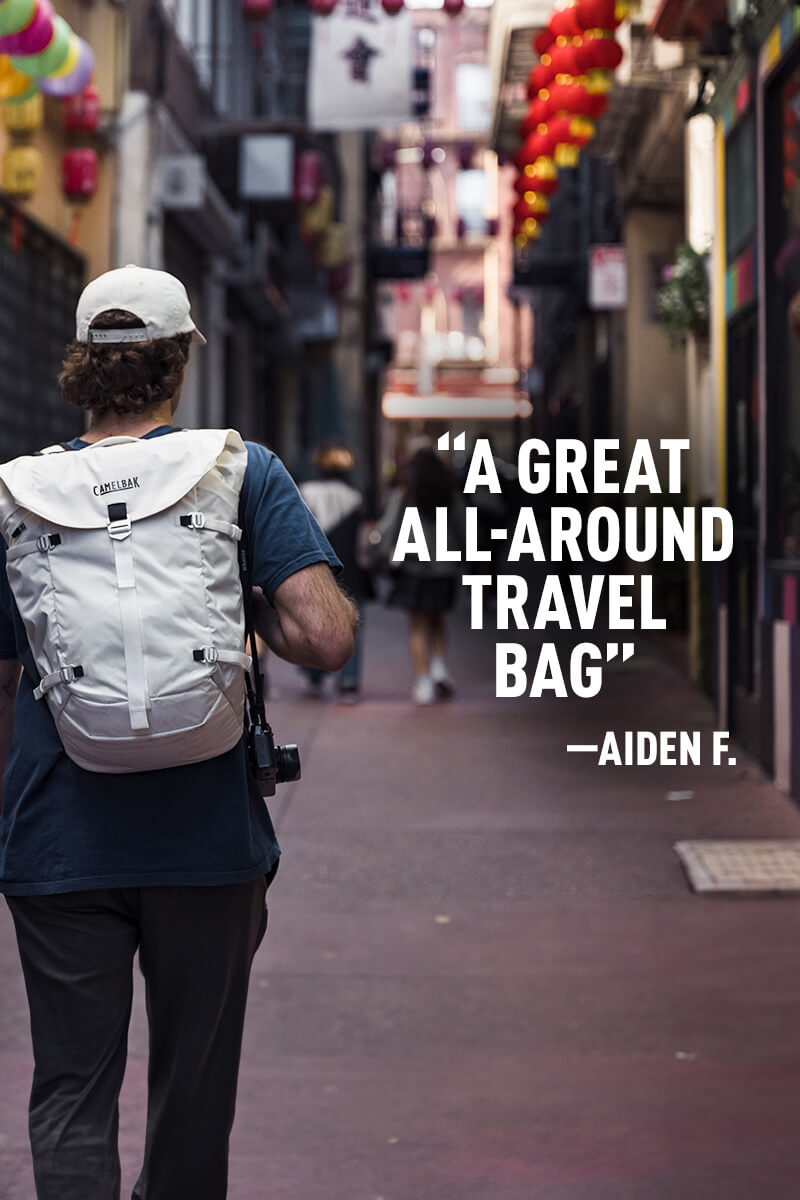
x,y
287,761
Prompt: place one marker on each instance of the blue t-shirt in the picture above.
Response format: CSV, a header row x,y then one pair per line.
x,y
64,829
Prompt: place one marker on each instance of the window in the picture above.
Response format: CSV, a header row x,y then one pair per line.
x,y
740,185
473,97
471,196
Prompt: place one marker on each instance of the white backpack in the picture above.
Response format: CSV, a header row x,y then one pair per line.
x,y
123,560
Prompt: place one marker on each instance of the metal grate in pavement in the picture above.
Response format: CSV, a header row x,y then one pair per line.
x,y
741,866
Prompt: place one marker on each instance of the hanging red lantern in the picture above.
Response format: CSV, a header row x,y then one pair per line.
x,y
540,144
392,7
565,57
256,10
543,41
596,14
599,50
540,77
541,176
81,113
540,111
308,176
453,7
563,23
533,204
323,8
79,174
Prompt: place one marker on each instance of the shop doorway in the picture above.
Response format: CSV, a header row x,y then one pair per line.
x,y
744,506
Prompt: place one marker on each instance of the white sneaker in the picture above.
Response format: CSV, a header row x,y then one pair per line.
x,y
423,691
442,683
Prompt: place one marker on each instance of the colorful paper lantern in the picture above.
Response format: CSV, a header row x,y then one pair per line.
x,y
24,116
308,176
77,79
256,10
21,171
323,8
16,15
12,82
35,37
79,174
81,113
49,60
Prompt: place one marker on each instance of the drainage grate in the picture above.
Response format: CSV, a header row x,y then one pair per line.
x,y
741,866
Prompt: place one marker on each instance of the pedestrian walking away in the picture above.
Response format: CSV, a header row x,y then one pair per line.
x,y
338,506
426,590
136,761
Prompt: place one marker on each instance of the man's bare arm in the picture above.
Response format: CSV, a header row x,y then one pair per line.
x,y
311,622
9,679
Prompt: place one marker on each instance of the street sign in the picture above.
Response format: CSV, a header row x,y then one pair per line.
x,y
266,166
183,181
608,277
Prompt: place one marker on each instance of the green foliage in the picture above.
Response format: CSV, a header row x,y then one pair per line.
x,y
684,297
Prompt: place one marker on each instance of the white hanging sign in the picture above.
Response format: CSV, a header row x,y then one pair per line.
x,y
361,71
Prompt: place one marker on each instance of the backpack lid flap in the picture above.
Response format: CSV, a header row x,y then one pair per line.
x,y
147,474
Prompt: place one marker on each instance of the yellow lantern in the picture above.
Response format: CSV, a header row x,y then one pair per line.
x,y
319,215
12,82
21,171
24,117
333,247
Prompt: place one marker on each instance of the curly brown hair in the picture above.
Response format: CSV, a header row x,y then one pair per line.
x,y
127,379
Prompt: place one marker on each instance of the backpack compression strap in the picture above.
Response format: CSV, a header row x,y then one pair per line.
x,y
119,530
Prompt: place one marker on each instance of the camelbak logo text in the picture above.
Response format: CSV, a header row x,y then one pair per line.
x,y
116,485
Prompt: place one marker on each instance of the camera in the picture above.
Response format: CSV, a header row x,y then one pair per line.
x,y
271,764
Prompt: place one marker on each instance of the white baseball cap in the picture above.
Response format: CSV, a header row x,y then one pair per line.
x,y
157,298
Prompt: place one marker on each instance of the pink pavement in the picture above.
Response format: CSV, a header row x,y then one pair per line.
x,y
485,976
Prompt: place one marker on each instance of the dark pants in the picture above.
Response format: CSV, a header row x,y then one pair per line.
x,y
196,946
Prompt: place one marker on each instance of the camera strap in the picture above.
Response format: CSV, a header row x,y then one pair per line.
x,y
254,680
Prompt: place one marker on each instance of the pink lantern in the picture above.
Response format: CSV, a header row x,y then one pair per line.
x,y
392,7
79,174
453,7
81,113
35,37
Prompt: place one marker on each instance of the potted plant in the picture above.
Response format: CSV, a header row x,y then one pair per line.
x,y
683,299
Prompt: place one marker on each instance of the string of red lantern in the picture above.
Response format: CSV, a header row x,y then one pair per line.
x,y
258,10
567,92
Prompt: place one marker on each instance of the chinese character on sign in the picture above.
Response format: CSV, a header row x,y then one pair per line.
x,y
360,10
360,55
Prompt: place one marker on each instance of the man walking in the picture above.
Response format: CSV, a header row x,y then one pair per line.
x,y
172,861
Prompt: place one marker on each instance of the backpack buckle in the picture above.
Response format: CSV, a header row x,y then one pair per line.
x,y
67,674
198,520
119,529
211,655
43,542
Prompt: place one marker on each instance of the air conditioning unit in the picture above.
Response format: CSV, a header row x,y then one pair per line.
x,y
183,181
